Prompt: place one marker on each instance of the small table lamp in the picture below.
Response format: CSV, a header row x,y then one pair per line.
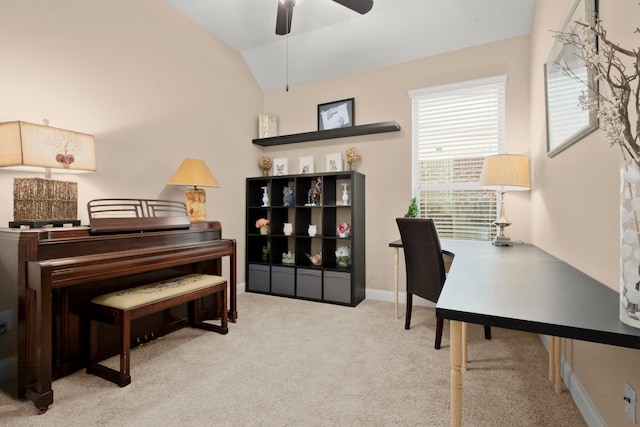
x,y
505,172
194,172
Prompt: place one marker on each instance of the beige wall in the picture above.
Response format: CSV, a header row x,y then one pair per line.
x,y
575,206
150,84
154,88
382,95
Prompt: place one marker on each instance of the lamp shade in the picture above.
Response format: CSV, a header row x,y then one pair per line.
x,y
506,172
193,172
31,147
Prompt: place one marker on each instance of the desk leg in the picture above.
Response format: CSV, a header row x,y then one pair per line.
x,y
465,358
556,362
456,373
552,343
397,258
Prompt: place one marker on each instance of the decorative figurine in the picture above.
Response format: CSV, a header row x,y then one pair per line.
x,y
287,197
288,258
287,228
315,259
314,192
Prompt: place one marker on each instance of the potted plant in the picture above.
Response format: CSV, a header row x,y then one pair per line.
x,y
344,230
262,224
413,211
343,256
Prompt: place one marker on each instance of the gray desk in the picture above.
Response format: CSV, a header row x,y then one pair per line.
x,y
527,289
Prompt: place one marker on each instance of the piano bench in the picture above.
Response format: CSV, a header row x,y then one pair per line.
x,y
120,308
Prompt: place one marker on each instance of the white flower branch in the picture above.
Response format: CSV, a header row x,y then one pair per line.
x,y
616,88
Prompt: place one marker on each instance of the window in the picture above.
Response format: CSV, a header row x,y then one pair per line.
x,y
454,128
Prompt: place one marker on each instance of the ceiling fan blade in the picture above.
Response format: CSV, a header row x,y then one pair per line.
x,y
284,17
360,6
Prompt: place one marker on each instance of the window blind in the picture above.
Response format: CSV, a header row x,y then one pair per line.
x,y
454,128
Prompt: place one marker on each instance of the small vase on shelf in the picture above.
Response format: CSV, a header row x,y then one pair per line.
x,y
287,228
344,261
264,229
345,194
265,197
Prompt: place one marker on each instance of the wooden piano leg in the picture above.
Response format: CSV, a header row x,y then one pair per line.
x,y
233,311
41,393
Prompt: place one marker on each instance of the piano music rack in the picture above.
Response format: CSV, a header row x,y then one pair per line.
x,y
122,215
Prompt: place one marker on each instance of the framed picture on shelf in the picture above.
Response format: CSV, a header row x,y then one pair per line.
x,y
567,121
336,114
280,166
307,165
334,162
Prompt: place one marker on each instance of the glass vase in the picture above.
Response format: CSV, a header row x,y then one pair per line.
x,y
343,261
629,244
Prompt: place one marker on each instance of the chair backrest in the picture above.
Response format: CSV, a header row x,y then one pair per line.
x,y
423,257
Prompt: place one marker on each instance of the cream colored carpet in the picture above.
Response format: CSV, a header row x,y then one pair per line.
x,y
297,363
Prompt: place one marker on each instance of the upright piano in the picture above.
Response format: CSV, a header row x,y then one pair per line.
x,y
47,277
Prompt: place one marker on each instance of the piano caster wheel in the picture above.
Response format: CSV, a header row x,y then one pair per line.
x,y
42,410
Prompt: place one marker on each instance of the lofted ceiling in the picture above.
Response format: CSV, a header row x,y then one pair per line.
x,y
329,40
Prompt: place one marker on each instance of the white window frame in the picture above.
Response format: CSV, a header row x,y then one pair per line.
x,y
420,95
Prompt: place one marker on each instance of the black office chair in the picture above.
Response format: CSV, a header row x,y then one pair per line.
x,y
425,266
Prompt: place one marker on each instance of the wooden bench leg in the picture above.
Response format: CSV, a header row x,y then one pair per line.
x,y
125,348
223,327
121,377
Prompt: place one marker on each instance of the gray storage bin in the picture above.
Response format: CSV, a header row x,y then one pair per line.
x,y
337,286
309,283
282,280
259,278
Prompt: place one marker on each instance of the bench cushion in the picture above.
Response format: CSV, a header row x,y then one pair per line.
x,y
128,299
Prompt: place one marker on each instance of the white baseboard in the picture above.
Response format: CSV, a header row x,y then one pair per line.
x,y
389,296
578,393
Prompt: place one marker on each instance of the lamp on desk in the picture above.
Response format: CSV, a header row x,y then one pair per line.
x,y
194,172
31,147
505,172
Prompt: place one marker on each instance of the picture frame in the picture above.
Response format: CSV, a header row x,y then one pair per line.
x,y
567,122
281,166
334,162
336,114
306,165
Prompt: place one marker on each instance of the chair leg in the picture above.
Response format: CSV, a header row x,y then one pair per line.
x,y
439,327
407,321
487,332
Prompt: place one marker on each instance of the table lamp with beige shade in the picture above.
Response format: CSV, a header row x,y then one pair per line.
x,y
195,173
30,147
505,172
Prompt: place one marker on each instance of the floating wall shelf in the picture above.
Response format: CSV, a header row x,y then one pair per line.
x,y
369,129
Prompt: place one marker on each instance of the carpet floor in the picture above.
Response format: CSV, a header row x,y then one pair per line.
x,y
289,362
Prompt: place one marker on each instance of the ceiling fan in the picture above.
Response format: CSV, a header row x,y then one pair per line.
x,y
285,12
